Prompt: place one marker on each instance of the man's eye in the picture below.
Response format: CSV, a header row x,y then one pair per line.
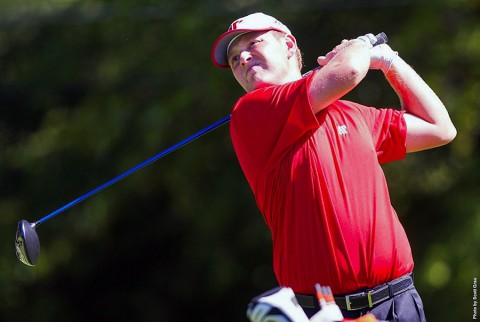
x,y
234,60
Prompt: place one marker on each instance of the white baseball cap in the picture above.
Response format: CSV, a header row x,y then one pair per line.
x,y
253,22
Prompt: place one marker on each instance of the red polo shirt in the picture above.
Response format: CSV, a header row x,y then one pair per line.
x,y
318,182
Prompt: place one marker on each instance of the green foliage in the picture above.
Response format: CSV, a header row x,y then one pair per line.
x,y
89,89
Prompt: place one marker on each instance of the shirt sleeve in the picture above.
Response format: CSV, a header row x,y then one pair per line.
x,y
389,132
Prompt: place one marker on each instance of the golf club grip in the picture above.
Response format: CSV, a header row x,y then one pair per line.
x,y
381,39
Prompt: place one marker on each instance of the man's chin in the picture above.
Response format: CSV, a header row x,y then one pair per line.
x,y
257,85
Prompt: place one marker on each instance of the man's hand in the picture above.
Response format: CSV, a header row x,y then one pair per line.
x,y
324,60
369,39
382,57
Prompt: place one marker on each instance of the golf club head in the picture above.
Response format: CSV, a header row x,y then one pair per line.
x,y
27,245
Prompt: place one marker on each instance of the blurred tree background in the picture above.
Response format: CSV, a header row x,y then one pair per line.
x,y
90,88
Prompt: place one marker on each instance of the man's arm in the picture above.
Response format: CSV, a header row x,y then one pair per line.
x,y
344,68
428,122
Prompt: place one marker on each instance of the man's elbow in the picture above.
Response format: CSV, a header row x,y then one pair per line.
x,y
349,72
447,134
355,72
452,133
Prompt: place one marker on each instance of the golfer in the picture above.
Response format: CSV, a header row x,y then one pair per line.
x,y
313,162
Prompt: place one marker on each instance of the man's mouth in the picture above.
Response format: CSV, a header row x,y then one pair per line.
x,y
252,69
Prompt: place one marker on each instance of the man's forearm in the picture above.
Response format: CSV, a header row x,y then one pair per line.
x,y
428,122
344,68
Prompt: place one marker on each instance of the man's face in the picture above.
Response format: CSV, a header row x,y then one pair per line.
x,y
258,59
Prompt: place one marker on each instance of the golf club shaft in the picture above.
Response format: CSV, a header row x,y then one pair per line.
x,y
134,169
381,38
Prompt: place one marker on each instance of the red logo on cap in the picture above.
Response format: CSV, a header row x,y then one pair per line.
x,y
234,25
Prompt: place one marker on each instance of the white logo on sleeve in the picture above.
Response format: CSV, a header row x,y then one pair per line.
x,y
342,129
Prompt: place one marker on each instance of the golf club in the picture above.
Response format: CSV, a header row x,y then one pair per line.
x,y
27,244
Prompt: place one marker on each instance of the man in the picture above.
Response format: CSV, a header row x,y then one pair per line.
x,y
313,163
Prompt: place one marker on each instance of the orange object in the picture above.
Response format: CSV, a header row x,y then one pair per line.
x,y
365,318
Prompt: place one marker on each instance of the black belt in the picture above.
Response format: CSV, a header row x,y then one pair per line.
x,y
365,299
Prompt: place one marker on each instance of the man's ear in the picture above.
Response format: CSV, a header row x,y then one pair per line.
x,y
291,43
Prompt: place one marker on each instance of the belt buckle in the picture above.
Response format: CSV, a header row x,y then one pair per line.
x,y
369,297
349,302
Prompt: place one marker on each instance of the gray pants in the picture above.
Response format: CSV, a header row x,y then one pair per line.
x,y
404,307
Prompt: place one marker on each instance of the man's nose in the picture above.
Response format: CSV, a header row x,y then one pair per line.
x,y
245,57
